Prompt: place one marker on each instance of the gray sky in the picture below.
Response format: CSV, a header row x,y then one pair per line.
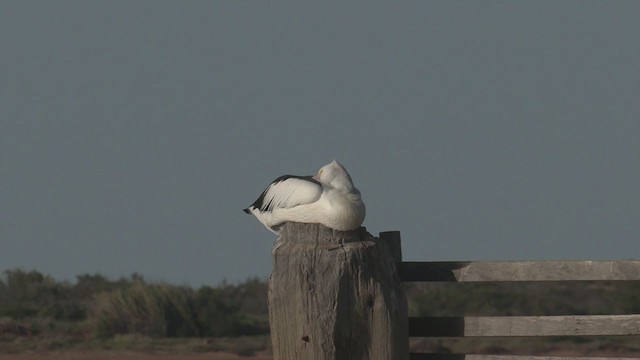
x,y
133,133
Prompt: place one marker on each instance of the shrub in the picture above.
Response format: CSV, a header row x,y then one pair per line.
x,y
17,311
105,308
65,311
220,313
151,310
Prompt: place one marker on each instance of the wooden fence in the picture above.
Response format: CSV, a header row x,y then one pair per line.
x,y
489,327
339,296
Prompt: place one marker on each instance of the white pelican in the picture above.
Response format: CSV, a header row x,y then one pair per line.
x,y
328,198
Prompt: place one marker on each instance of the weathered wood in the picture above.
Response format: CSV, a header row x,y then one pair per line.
x,y
425,356
392,239
335,295
421,356
520,271
568,325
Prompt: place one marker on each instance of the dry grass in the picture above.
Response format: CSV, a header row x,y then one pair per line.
x,y
130,355
135,345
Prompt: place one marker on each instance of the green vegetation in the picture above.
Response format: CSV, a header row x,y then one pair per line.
x,y
95,312
96,307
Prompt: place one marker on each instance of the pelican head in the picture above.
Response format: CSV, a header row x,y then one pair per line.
x,y
335,175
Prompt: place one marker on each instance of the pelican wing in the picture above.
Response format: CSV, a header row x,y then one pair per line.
x,y
288,191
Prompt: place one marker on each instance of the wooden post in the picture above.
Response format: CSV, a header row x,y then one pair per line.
x,y
335,295
392,239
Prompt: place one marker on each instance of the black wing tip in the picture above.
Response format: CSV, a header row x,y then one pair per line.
x,y
246,211
287,177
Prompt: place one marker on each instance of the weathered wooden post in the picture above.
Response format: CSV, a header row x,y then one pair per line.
x,y
335,295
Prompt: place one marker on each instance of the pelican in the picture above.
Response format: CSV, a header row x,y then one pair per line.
x,y
328,198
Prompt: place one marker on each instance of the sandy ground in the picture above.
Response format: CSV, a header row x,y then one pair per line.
x,y
127,355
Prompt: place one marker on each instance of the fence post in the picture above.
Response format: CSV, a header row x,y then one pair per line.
x,y
392,239
335,295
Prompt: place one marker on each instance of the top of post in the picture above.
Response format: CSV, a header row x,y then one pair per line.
x,y
294,232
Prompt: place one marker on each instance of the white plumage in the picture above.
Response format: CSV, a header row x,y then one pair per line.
x,y
328,198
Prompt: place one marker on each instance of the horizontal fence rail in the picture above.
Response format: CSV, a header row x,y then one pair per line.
x,y
476,271
482,326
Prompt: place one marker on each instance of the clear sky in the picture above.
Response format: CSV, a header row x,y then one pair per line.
x,y
133,133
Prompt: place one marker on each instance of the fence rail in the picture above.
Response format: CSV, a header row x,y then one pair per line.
x,y
475,271
487,326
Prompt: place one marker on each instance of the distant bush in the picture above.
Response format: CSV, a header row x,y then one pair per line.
x,y
23,294
220,313
89,284
17,311
15,328
147,309
107,308
64,310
